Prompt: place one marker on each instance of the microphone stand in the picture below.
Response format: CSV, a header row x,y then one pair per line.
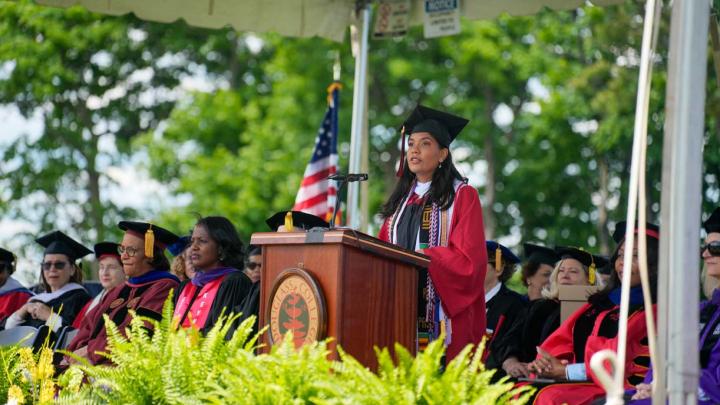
x,y
341,184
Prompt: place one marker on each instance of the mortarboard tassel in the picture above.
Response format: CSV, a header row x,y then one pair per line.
x,y
591,271
149,242
289,222
401,169
498,258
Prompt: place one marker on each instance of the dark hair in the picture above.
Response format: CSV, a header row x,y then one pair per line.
x,y
653,246
507,271
254,250
528,270
77,276
159,260
10,266
230,247
442,191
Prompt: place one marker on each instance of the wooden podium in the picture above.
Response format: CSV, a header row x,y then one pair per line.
x,y
359,290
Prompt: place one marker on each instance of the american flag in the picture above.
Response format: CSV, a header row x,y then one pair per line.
x,y
317,194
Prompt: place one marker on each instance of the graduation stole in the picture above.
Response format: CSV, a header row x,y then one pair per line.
x,y
433,232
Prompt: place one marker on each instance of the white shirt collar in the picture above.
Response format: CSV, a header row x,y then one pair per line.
x,y
493,292
422,188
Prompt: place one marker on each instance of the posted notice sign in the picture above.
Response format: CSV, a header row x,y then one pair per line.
x,y
392,18
442,17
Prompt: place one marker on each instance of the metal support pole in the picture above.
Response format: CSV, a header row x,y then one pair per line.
x,y
359,119
681,200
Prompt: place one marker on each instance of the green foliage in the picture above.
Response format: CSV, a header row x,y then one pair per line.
x,y
26,377
181,366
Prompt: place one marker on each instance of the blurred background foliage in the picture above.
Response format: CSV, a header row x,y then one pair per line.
x,y
223,122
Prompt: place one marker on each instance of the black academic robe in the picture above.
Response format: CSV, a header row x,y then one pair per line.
x,y
251,306
528,331
68,306
502,311
231,293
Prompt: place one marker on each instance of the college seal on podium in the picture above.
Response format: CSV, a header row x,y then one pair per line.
x,y
296,304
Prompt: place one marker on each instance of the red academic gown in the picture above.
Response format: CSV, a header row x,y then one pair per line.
x,y
145,299
11,301
560,345
458,270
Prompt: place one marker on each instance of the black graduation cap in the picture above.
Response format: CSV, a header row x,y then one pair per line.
x,y
581,255
106,249
57,242
651,230
712,224
152,234
540,254
300,220
178,247
507,254
444,127
7,256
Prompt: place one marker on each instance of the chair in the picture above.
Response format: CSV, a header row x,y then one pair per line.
x,y
65,336
23,336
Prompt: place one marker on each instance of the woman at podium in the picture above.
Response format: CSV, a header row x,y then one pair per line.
x,y
435,212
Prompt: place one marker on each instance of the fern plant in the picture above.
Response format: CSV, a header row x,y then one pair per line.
x,y
179,366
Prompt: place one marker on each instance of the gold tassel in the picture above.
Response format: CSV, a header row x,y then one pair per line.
x,y
149,242
498,259
289,222
591,274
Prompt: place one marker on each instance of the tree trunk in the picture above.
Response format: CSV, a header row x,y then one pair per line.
x,y
489,152
602,230
93,187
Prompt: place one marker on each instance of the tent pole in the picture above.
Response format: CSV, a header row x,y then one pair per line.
x,y
681,200
359,118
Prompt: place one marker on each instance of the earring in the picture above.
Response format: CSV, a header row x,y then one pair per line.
x,y
440,164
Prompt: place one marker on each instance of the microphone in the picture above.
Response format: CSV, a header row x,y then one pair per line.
x,y
350,177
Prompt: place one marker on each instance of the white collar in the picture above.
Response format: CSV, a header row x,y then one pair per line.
x,y
49,296
422,188
493,292
10,284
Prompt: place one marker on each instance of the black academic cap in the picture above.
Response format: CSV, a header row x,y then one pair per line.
x,y
443,126
651,230
178,247
583,256
507,254
163,237
607,268
106,249
58,243
540,254
7,256
712,224
300,220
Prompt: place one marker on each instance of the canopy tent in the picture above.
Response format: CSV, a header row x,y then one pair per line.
x,y
682,159
297,18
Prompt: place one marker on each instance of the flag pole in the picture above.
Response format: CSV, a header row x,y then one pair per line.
x,y
359,121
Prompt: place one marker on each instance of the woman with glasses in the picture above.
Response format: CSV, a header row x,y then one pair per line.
x,y
110,274
12,294
148,284
565,355
219,286
64,295
709,381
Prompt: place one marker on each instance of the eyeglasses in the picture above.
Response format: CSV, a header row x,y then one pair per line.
x,y
713,248
58,265
131,251
253,265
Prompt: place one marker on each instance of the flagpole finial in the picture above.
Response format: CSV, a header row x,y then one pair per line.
x,y
337,67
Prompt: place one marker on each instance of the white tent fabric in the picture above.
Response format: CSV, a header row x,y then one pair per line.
x,y
296,18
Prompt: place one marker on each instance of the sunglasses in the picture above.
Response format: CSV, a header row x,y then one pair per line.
x,y
58,265
713,248
5,266
254,265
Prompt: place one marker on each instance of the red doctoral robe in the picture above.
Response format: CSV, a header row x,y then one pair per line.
x,y
12,297
145,299
560,345
458,270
